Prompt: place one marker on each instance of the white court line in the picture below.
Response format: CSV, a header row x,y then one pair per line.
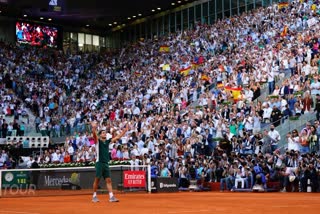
x,y
188,211
15,212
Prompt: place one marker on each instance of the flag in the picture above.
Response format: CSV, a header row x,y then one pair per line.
x,y
283,5
137,73
185,71
194,66
166,67
220,85
164,49
235,92
284,32
205,77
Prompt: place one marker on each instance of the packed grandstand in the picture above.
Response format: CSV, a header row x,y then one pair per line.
x,y
203,104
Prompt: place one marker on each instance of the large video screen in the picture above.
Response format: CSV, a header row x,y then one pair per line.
x,y
36,34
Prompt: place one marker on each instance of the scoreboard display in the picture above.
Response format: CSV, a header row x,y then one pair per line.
x,y
56,5
19,179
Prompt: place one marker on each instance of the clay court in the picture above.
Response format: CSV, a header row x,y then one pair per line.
x,y
187,202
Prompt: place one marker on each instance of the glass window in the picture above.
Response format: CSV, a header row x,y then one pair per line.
x,y
108,42
250,7
219,6
212,7
234,7
178,17
198,12
143,30
227,5
242,6
250,4
134,32
148,29
95,40
88,39
191,17
80,39
185,19
234,11
226,8
226,13
66,37
74,36
205,12
219,16
172,23
102,41
259,3
205,9
166,24
160,25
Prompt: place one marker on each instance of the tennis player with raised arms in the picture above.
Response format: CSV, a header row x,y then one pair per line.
x,y
103,158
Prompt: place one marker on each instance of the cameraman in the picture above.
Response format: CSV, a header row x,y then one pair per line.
x,y
309,173
287,176
227,179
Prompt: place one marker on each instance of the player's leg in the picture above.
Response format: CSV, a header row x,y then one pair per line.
x,y
96,182
107,176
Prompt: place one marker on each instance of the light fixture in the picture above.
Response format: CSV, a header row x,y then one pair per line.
x,y
173,3
159,8
49,19
110,24
133,16
179,2
25,15
123,25
152,10
139,14
115,23
41,18
129,18
87,25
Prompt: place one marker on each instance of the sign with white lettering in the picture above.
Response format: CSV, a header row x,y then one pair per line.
x,y
165,184
134,179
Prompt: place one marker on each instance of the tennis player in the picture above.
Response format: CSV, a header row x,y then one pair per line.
x,y
103,158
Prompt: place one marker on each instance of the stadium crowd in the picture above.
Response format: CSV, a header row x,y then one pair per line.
x,y
191,98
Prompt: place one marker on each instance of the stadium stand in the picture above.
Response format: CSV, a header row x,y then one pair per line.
x,y
205,107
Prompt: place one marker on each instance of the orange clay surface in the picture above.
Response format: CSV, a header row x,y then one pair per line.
x,y
161,203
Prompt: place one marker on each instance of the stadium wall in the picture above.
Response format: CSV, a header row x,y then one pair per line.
x,y
7,29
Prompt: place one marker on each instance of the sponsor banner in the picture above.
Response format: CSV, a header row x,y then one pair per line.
x,y
78,179
163,184
134,179
153,185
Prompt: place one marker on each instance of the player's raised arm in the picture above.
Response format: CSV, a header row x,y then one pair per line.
x,y
116,138
94,131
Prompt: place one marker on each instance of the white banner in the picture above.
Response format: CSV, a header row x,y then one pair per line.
x,y
312,21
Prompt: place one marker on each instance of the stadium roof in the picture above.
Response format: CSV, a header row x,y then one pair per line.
x,y
96,14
